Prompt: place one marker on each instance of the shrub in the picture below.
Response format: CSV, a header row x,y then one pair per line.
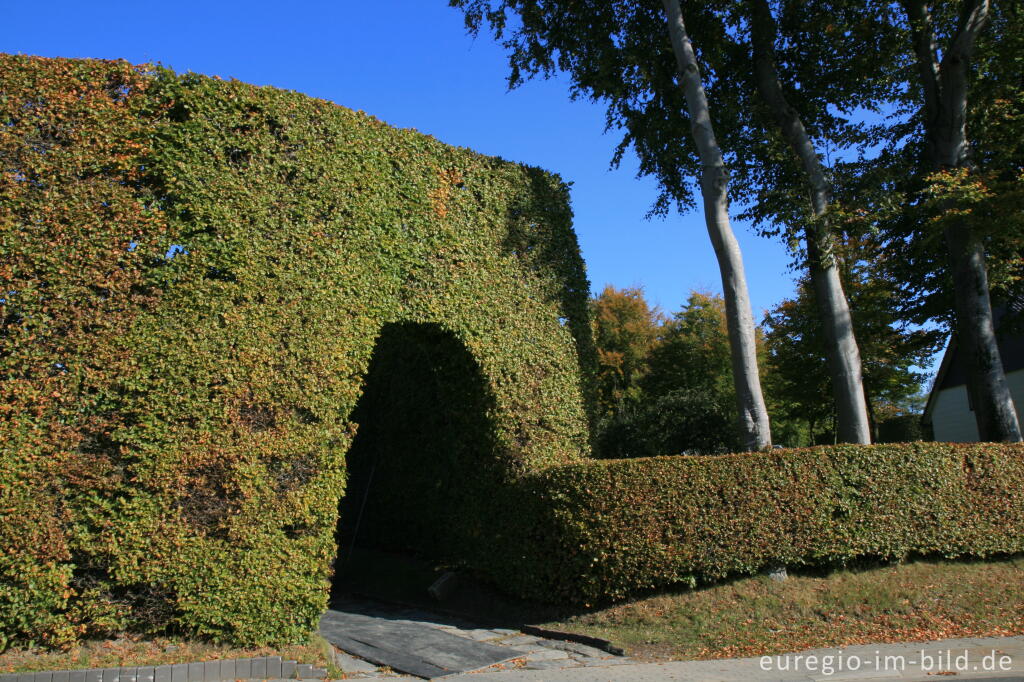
x,y
604,529
690,421
903,428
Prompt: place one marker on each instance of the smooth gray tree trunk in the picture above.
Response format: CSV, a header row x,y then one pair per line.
x,y
945,87
833,308
714,183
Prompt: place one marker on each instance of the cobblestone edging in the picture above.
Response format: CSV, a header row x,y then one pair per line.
x,y
266,667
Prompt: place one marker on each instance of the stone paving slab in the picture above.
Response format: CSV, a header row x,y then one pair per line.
x,y
522,641
396,660
480,635
547,655
409,646
394,636
550,664
351,664
577,648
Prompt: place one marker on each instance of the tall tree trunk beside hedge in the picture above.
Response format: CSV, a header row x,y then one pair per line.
x,y
840,342
944,87
714,182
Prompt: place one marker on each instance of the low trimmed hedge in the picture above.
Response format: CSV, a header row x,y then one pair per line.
x,y
608,528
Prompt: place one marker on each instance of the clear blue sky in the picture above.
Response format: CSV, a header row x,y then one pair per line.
x,y
411,64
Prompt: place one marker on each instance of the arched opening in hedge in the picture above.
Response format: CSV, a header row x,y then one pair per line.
x,y
423,465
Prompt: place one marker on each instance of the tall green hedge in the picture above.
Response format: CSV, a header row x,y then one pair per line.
x,y
193,276
603,529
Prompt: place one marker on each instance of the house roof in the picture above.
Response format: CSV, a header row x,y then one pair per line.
x,y
953,370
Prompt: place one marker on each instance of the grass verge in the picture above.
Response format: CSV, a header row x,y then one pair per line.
x,y
129,652
918,601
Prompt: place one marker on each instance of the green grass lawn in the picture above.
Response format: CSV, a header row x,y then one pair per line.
x,y
755,616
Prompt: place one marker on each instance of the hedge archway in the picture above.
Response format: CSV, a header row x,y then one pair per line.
x,y
196,272
421,469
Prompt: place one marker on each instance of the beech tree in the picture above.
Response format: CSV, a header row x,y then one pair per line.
x,y
946,191
640,61
943,37
834,317
785,99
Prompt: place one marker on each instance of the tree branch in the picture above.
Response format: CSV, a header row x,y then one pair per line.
x,y
764,31
923,37
689,73
973,20
953,77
